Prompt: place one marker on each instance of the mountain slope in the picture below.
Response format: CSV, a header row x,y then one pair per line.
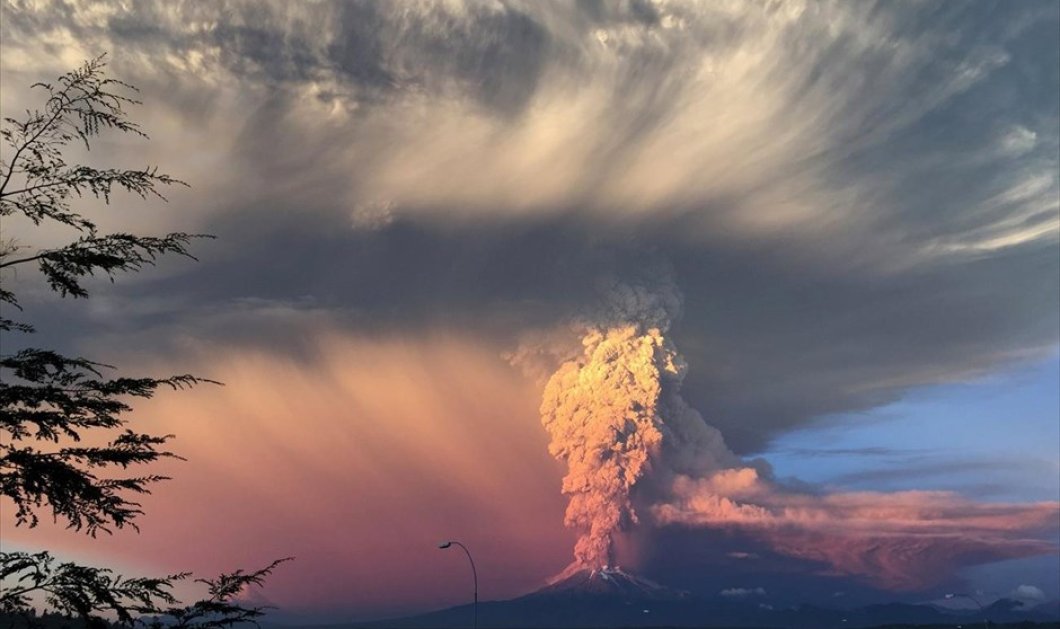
x,y
614,598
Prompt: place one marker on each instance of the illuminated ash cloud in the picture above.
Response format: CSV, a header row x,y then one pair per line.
x,y
602,413
614,410
637,452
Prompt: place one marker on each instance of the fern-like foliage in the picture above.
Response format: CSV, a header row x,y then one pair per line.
x,y
51,404
36,181
47,400
221,608
102,599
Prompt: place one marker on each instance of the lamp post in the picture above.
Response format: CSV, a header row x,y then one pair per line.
x,y
982,610
474,573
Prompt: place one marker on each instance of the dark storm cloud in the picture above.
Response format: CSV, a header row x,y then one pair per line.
x,y
855,200
768,349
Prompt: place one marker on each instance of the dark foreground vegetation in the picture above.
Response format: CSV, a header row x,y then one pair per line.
x,y
68,450
59,621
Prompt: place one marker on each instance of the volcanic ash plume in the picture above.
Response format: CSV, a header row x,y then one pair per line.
x,y
605,412
616,417
601,412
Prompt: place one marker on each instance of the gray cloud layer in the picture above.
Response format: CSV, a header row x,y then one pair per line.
x,y
855,198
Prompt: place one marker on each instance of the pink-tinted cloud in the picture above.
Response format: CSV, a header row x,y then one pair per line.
x,y
358,455
356,460
901,540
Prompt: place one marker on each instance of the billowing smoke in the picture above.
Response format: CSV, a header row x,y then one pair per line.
x,y
602,414
636,451
614,412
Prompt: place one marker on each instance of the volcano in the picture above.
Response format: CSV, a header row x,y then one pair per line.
x,y
612,597
609,597
607,584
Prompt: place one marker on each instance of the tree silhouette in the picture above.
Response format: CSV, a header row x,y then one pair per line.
x,y
50,402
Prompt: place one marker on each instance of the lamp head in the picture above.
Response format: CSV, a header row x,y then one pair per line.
x,y
445,545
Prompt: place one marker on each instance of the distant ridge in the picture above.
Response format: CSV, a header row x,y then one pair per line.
x,y
581,599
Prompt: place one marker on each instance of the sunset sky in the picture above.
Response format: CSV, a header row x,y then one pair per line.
x,y
821,239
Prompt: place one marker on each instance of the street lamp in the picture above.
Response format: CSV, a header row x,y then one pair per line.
x,y
474,573
986,623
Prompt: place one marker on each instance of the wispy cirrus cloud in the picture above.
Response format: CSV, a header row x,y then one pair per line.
x,y
877,166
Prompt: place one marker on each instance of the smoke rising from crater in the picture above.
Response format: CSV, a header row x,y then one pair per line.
x,y
637,453
614,412
601,412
